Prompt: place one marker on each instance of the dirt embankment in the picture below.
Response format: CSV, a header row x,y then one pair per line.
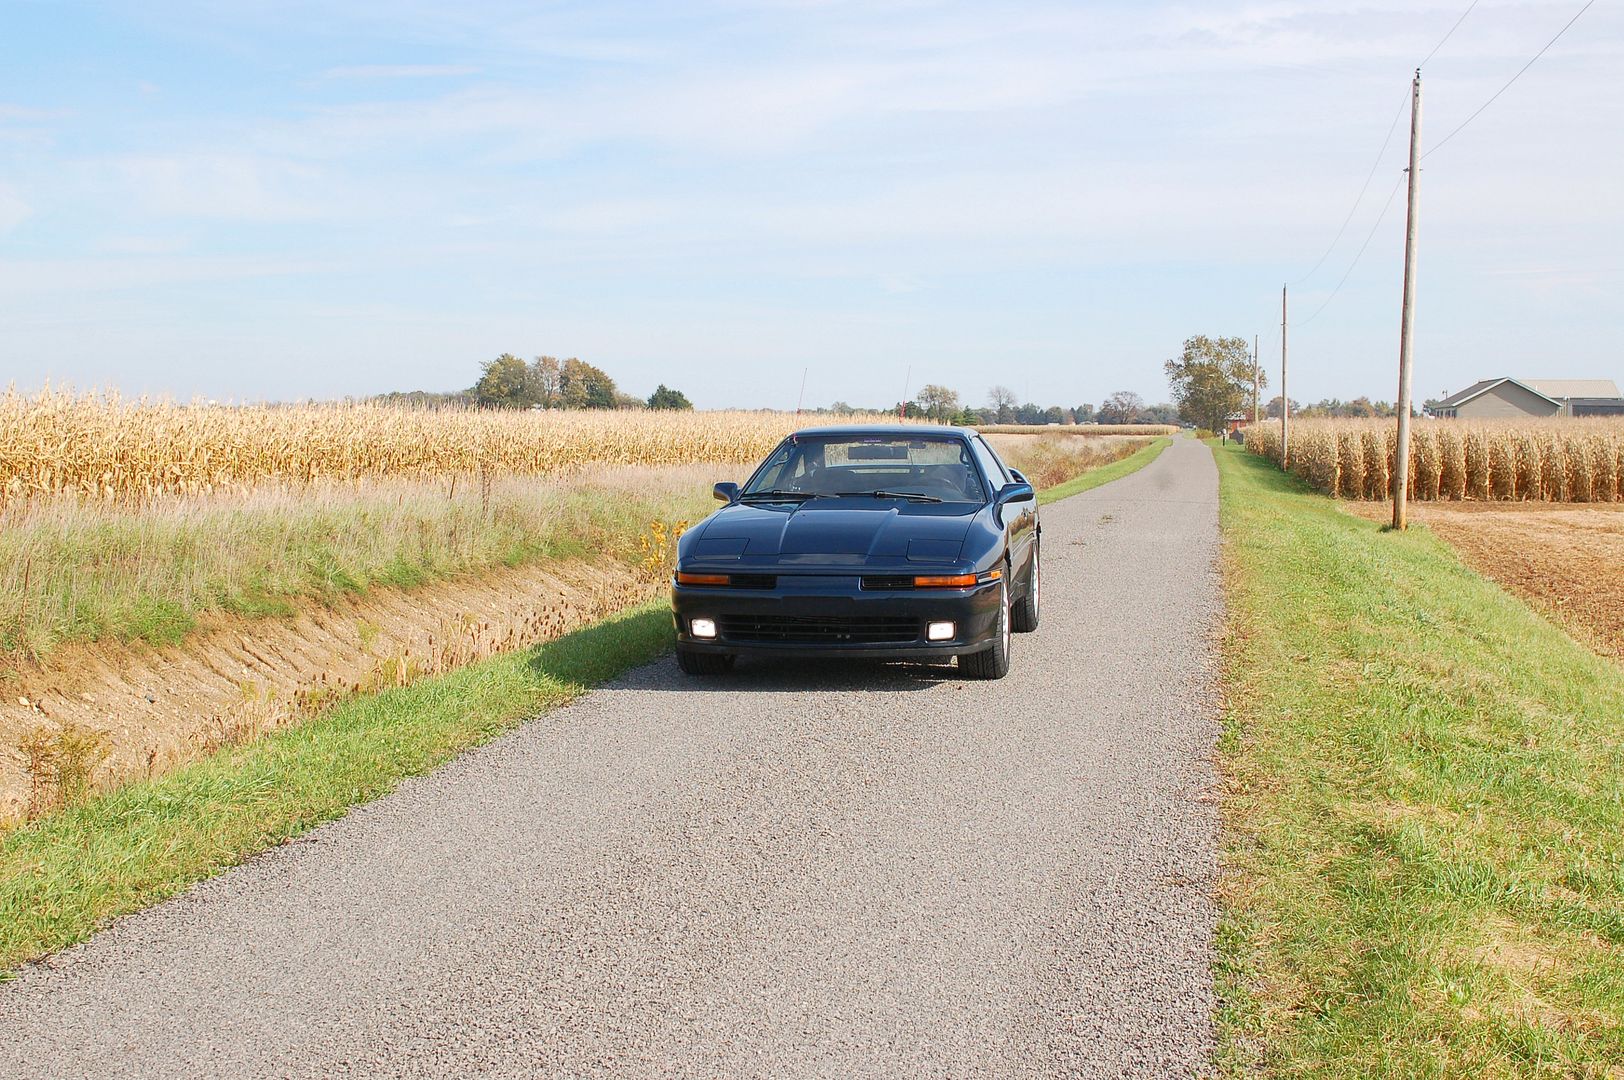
x,y
236,678
1567,559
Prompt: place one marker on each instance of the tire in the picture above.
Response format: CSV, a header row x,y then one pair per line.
x,y
1024,616
704,663
992,663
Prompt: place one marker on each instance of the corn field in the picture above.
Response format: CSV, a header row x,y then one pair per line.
x,y
1557,460
104,448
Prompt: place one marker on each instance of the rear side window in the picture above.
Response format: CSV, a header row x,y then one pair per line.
x,y
997,475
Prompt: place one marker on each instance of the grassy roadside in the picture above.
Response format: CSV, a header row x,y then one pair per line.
x,y
1116,470
78,571
1424,807
66,875
69,873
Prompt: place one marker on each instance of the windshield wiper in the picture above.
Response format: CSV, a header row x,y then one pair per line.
x,y
917,496
778,495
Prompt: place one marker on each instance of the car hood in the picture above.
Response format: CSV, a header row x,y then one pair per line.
x,y
844,531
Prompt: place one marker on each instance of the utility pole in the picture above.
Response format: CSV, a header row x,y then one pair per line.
x,y
1255,379
1401,453
1285,402
903,404
802,398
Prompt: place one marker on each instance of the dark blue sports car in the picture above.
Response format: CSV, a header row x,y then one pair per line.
x,y
913,543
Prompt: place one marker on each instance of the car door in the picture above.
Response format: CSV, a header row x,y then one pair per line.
x,y
1020,515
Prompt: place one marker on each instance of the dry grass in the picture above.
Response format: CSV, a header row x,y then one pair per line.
x,y
1558,460
1055,456
1077,429
107,449
77,569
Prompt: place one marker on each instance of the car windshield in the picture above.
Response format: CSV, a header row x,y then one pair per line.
x,y
928,468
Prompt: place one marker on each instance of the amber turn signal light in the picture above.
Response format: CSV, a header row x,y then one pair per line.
x,y
701,579
955,581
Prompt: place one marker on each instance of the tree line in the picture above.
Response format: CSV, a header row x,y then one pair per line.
x,y
546,382
943,405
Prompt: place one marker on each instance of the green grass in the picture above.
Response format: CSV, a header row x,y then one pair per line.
x,y
1424,809
69,873
1116,470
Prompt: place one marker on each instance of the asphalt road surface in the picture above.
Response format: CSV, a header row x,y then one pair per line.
x,y
834,870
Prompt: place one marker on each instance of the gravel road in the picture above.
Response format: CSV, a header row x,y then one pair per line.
x,y
828,870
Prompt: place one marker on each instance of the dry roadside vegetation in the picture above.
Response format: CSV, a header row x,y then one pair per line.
x,y
174,579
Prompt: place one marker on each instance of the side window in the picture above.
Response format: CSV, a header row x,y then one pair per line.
x,y
991,467
1008,474
775,472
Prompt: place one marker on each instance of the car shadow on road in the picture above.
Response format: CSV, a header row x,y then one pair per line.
x,y
777,675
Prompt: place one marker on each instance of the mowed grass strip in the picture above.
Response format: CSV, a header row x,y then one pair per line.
x,y
68,874
1424,809
1093,478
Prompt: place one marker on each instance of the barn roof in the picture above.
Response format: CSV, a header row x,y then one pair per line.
x,y
1484,387
1574,388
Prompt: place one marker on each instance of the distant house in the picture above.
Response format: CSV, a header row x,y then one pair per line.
x,y
1494,399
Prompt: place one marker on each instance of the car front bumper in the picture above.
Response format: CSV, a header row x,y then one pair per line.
x,y
833,616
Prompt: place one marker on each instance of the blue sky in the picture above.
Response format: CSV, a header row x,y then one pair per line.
x,y
280,200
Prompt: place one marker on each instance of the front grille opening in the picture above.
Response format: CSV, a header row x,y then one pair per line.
x,y
752,581
887,582
819,630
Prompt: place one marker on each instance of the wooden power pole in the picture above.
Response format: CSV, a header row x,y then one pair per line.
x,y
1285,402
1255,377
1401,452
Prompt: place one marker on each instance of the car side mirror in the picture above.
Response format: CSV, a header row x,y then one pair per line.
x,y
1011,492
726,491
1018,475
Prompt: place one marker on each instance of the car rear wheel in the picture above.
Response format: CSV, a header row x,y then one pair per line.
x,y
992,663
703,663
1026,612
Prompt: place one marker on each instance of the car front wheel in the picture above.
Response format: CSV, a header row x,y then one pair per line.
x,y
992,663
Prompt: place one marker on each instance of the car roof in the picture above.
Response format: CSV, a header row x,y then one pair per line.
x,y
938,430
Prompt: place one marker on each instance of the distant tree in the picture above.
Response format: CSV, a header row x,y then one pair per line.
x,y
966,418
1161,413
666,398
1273,408
1122,407
939,402
1002,401
505,383
546,375
624,400
582,386
1210,379
1083,414
840,408
1054,414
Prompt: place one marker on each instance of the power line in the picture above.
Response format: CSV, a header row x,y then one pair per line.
x,y
1449,35
1368,238
1364,188
1440,143
1360,198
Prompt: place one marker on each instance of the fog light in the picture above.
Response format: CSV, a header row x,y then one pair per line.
x,y
702,627
939,631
